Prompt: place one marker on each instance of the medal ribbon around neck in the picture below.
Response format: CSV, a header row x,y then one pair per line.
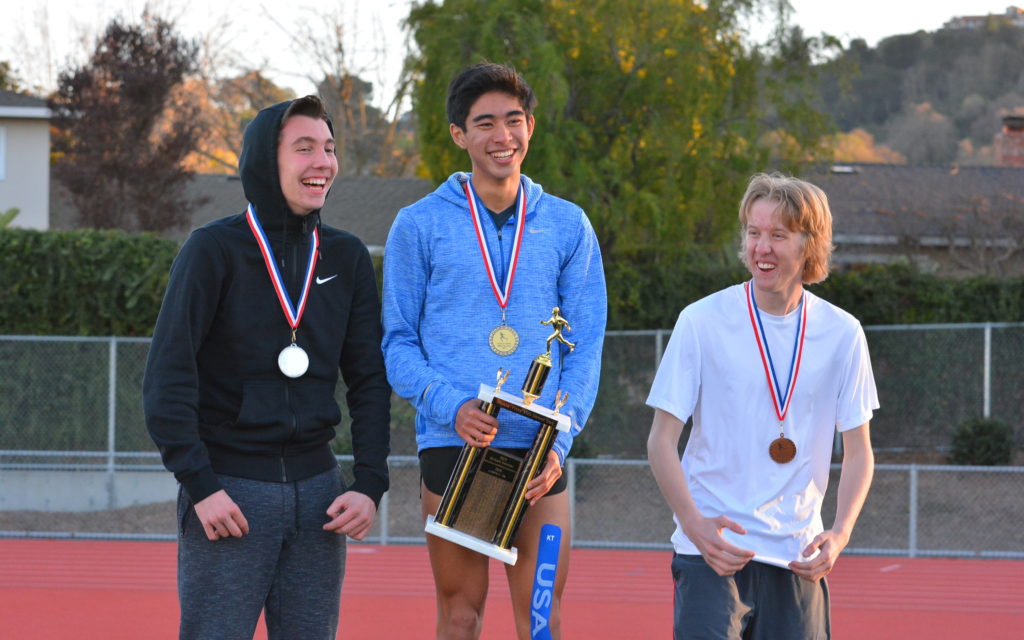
x,y
501,295
293,313
780,398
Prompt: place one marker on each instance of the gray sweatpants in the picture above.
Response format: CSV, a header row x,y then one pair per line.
x,y
287,565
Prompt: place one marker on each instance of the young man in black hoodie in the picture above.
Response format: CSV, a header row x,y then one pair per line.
x,y
261,311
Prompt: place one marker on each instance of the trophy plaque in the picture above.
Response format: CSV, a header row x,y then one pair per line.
x,y
485,500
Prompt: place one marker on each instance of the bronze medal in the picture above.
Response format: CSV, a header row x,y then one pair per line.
x,y
503,340
782,450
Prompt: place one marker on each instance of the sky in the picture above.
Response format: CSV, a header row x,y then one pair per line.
x,y
39,37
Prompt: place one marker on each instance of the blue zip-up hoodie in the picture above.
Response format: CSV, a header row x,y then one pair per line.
x,y
439,310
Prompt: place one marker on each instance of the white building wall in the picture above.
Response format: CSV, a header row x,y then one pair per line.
x,y
25,171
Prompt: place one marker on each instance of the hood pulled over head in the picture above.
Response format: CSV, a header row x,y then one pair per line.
x,y
257,166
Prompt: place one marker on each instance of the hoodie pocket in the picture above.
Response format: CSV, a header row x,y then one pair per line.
x,y
314,405
264,415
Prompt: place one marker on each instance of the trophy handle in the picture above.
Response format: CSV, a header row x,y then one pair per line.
x,y
463,467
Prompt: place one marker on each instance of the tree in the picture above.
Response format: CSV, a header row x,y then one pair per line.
x,y
8,80
123,127
923,135
859,146
652,115
967,75
226,106
371,140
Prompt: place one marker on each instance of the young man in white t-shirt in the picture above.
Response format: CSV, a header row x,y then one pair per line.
x,y
767,371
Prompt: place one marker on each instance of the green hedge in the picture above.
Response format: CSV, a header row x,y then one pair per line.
x,y
82,283
102,283
650,296
900,294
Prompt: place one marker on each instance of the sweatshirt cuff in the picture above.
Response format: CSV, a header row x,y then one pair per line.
x,y
563,443
455,414
444,401
371,486
200,484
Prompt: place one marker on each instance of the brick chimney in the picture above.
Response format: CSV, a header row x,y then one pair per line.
x,y
1010,142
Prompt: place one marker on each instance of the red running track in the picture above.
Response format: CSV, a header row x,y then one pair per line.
x,y
57,589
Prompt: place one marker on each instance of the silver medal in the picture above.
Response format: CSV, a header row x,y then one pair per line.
x,y
293,361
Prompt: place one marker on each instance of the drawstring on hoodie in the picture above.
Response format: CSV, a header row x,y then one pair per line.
x,y
319,232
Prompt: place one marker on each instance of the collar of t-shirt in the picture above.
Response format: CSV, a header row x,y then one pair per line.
x,y
501,218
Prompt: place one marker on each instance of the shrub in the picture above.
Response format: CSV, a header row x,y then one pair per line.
x,y
82,283
982,441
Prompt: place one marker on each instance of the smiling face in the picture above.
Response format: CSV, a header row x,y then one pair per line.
x,y
306,163
497,136
774,255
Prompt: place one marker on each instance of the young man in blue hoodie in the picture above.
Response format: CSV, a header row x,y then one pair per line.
x,y
262,310
470,273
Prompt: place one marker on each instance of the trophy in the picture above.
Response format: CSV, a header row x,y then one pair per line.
x,y
485,500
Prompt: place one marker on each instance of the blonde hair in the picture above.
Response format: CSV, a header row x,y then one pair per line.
x,y
803,208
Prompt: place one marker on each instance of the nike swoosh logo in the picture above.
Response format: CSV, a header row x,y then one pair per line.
x,y
320,280
532,230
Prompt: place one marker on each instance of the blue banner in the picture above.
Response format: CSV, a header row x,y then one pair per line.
x,y
544,581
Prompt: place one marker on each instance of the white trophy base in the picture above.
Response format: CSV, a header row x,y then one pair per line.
x,y
476,544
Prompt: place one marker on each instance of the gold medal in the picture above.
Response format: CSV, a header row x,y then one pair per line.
x,y
503,340
782,449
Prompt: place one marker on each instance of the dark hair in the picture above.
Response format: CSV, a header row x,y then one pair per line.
x,y
309,106
475,81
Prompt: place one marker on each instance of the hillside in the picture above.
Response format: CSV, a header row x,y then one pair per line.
x,y
927,97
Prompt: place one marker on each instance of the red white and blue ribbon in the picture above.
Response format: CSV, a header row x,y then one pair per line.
x,y
501,294
780,397
293,313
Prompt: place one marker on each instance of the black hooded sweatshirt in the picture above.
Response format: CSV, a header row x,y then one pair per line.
x,y
214,398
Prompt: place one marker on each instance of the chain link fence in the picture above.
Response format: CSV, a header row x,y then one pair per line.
x,y
73,440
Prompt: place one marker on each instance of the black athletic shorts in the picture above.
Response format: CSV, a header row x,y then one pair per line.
x,y
437,464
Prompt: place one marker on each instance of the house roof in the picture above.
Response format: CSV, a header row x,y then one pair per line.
x,y
363,206
19,105
876,201
368,206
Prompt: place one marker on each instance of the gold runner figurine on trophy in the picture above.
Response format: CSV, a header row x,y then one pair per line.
x,y
558,323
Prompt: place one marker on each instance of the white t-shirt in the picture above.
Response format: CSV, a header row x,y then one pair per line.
x,y
712,370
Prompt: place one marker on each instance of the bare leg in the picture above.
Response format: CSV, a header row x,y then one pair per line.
x,y
460,581
554,510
